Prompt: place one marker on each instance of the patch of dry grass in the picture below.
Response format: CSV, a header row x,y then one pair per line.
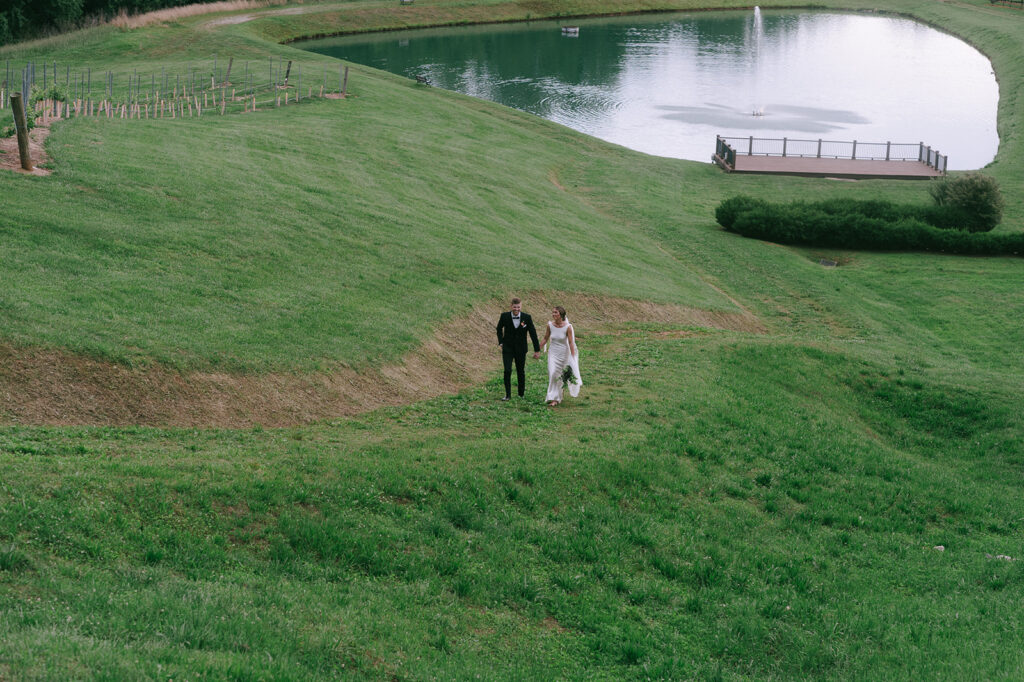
x,y
126,21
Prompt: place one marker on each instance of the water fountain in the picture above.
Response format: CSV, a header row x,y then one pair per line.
x,y
758,109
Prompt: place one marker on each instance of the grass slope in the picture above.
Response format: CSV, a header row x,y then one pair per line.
x,y
718,505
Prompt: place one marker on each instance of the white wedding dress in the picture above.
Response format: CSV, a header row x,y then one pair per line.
x,y
558,357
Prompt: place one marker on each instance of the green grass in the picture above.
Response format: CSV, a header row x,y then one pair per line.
x,y
248,242
716,505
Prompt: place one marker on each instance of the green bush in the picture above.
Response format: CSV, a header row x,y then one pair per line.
x,y
53,91
727,211
942,216
972,202
856,225
30,111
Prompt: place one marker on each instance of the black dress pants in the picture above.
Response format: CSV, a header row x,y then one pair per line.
x,y
520,360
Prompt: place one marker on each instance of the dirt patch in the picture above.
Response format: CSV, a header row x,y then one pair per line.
x,y
553,177
550,623
242,18
56,388
10,159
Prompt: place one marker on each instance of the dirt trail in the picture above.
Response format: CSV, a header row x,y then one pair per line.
x,y
242,18
56,388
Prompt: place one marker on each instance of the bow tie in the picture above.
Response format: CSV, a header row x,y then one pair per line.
x,y
514,317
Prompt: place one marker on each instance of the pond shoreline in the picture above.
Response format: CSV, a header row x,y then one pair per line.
x,y
456,23
667,83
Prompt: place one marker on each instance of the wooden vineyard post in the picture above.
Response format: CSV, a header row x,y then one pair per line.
x,y
20,122
344,84
287,73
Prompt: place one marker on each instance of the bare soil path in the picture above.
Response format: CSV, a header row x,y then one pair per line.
x,y
53,387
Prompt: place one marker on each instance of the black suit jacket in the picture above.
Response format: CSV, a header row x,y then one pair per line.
x,y
513,339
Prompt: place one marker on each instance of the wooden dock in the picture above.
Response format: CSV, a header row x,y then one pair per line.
x,y
832,168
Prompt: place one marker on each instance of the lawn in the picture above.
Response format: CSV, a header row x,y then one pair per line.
x,y
775,470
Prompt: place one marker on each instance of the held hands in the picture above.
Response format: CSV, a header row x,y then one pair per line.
x,y
536,356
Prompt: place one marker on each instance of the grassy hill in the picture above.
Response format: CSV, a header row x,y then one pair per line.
x,y
776,470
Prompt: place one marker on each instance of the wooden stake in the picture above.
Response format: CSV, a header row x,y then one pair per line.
x,y
21,124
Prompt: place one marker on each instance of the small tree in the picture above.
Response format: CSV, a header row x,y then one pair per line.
x,y
973,200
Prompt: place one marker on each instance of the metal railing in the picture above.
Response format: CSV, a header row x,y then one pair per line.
x,y
725,152
728,147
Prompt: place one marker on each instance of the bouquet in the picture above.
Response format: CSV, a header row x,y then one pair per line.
x,y
568,376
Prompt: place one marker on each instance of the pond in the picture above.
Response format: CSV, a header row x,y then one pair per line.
x,y
667,84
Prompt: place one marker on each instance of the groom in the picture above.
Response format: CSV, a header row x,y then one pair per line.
x,y
513,327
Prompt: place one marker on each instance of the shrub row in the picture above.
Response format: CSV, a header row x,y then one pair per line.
x,y
846,224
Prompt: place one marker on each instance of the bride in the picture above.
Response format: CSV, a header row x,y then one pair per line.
x,y
561,354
